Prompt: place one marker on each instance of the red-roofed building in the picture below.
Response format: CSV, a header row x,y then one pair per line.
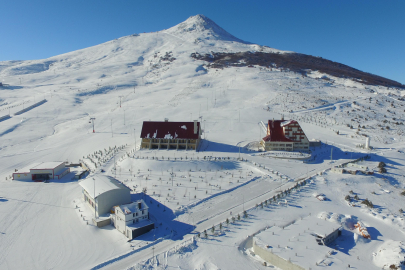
x,y
285,135
171,135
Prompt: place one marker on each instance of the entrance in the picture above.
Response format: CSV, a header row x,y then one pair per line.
x,y
40,177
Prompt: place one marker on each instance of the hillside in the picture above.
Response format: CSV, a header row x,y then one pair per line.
x,y
194,70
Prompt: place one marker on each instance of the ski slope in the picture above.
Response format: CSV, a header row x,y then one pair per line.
x,y
153,77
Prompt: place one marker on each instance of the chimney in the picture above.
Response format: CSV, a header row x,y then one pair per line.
x,y
195,127
140,205
166,119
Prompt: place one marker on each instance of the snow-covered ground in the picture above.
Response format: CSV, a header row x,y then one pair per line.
x,y
154,77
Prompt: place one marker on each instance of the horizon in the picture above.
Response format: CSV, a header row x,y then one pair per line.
x,y
319,28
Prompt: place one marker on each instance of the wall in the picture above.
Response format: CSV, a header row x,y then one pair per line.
x,y
22,176
112,198
274,259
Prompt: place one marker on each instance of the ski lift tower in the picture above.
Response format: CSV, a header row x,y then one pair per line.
x,y
92,121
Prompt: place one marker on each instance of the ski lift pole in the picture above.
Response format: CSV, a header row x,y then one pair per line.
x,y
92,121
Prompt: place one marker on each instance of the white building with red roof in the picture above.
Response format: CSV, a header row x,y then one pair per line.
x,y
285,135
171,135
42,171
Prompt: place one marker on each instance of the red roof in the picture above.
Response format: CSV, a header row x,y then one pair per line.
x,y
169,130
276,132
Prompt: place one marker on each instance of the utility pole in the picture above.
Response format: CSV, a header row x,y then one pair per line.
x,y
124,117
112,134
120,100
94,197
92,120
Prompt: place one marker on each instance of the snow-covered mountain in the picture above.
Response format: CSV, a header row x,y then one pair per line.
x,y
194,70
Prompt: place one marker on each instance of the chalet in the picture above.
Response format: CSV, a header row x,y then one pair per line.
x,y
132,219
285,135
171,135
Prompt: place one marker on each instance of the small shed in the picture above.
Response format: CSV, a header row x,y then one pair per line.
x,y
103,192
42,171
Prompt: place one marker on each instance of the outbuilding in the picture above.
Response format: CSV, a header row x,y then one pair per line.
x,y
42,171
103,192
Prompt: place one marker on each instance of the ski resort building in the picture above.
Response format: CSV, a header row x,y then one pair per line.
x,y
102,193
171,135
285,135
42,171
298,246
132,219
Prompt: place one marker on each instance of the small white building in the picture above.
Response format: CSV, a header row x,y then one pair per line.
x,y
42,171
132,219
103,192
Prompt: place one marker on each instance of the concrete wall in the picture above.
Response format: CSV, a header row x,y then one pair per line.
x,y
274,259
22,176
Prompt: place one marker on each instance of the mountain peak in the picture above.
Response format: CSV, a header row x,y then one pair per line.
x,y
199,28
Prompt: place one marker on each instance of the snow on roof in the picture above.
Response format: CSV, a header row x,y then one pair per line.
x,y
276,132
169,130
103,183
287,123
289,241
133,207
46,165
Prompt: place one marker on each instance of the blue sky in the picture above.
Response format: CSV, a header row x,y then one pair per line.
x,y
367,35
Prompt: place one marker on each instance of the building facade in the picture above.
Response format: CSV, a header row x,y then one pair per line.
x,y
171,135
42,171
285,135
132,219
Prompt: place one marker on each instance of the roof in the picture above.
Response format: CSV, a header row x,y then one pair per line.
x,y
133,207
46,165
103,184
300,238
39,166
276,131
169,130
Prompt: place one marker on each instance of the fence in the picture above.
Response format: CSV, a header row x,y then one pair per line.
x,y
31,107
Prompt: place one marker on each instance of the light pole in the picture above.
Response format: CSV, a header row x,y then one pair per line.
x,y
94,197
92,120
120,100
112,134
124,117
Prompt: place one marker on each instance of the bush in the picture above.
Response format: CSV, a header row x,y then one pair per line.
x,y
381,164
382,170
367,203
348,198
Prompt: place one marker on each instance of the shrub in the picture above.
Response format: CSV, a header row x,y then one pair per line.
x,y
367,203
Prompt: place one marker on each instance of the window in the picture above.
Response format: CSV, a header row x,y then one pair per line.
x,y
142,212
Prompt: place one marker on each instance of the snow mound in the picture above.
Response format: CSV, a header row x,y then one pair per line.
x,y
390,253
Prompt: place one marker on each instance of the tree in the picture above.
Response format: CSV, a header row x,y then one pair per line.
x,y
205,234
245,215
213,229
238,217
233,219
227,221
220,226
